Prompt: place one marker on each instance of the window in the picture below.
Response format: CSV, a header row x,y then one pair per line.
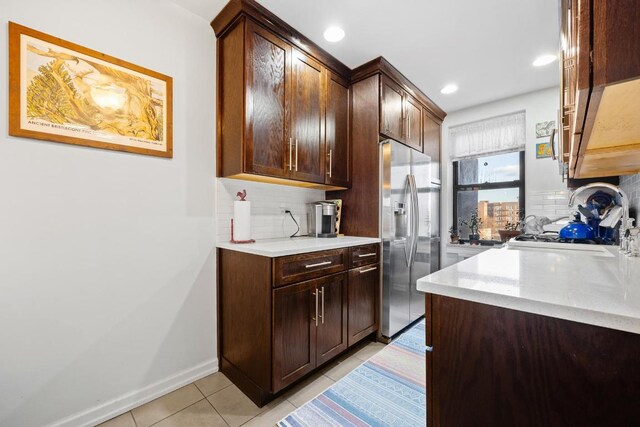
x,y
493,184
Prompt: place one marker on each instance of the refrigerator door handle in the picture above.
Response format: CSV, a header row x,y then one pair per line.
x,y
415,218
408,251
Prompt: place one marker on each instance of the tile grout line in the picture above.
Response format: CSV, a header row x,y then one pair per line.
x,y
169,416
214,408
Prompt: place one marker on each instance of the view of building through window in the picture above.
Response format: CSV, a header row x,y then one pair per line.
x,y
492,185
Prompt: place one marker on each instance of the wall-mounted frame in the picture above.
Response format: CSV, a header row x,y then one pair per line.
x,y
63,92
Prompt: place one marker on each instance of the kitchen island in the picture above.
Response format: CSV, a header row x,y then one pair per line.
x,y
534,337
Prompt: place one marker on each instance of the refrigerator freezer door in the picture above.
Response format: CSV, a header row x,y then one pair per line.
x,y
396,237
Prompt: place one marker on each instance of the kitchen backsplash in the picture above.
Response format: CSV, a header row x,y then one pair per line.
x,y
552,204
631,185
267,201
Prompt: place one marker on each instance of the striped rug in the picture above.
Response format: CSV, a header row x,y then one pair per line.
x,y
386,390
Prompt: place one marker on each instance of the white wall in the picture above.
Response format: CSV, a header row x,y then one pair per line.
x,y
106,258
267,203
543,185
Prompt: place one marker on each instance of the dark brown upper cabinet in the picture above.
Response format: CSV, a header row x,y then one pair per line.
x,y
431,134
400,114
391,110
307,146
600,88
338,147
274,90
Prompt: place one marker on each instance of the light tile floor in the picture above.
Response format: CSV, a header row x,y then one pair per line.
x,y
214,401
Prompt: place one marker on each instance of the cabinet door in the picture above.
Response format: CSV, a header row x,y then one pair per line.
x,y
267,102
391,110
337,133
307,118
364,288
431,136
332,328
413,123
294,332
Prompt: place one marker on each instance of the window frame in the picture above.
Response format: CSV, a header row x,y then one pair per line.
x,y
457,187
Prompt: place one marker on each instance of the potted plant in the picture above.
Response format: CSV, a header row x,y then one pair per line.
x,y
511,229
473,223
454,234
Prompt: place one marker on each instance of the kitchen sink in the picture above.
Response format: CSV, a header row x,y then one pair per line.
x,y
563,248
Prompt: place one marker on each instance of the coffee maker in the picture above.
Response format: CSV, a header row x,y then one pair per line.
x,y
322,219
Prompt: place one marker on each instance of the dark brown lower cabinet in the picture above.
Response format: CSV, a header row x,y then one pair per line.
x,y
272,334
363,302
501,367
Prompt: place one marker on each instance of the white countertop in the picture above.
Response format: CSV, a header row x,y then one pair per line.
x,y
296,245
600,287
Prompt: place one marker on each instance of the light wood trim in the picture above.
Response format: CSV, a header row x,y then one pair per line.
x,y
15,31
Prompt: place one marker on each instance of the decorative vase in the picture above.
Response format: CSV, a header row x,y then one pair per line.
x,y
455,239
474,239
508,234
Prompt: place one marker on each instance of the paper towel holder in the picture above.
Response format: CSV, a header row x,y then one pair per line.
x,y
238,241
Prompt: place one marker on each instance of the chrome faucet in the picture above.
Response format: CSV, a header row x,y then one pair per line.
x,y
623,198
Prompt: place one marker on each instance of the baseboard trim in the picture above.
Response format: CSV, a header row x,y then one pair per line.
x,y
133,399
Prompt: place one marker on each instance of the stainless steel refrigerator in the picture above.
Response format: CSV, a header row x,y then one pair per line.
x,y
410,233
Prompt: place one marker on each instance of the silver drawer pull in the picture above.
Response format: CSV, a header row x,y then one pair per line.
x,y
366,255
318,264
428,348
368,270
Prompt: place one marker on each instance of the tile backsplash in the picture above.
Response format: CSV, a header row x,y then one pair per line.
x,y
267,201
631,185
552,204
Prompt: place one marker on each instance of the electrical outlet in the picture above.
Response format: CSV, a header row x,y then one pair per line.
x,y
284,208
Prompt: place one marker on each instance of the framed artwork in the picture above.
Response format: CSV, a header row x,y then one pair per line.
x,y
543,150
544,128
60,91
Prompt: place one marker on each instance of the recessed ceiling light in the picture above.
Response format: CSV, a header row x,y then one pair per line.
x,y
544,60
333,34
450,88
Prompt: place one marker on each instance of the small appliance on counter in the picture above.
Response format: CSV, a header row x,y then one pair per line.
x,y
322,219
577,230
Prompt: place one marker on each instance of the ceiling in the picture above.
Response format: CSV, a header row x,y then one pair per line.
x,y
485,47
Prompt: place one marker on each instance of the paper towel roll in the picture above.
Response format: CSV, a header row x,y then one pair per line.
x,y
241,220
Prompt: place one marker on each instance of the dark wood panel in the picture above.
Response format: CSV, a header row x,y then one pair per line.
x,y
360,208
432,143
295,268
268,94
413,123
294,332
230,101
381,65
307,118
331,335
364,288
337,136
364,255
494,366
237,8
244,307
391,110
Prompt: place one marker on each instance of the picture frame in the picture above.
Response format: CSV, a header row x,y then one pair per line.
x,y
62,92
544,129
543,150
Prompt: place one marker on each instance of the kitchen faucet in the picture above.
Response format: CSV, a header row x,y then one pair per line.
x,y
623,197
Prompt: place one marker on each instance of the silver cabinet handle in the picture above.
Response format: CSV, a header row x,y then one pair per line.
x,y
322,291
368,270
296,154
330,161
318,264
315,294
290,153
428,348
366,255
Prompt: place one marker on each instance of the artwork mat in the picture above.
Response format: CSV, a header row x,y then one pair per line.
x,y
17,79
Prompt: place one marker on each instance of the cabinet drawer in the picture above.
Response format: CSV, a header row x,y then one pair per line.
x,y
296,268
364,255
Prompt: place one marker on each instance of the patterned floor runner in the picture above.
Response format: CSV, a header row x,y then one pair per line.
x,y
386,390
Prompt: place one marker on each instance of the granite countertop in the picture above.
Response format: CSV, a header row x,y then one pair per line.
x,y
596,286
296,245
